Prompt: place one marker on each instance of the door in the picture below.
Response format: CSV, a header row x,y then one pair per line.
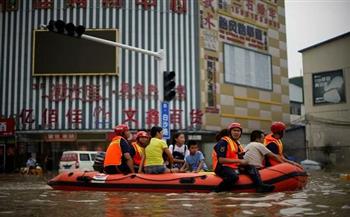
x,y
2,158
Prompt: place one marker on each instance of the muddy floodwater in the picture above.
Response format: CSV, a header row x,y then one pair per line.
x,y
325,195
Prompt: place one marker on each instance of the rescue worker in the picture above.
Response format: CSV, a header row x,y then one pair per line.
x,y
142,140
225,157
273,142
118,155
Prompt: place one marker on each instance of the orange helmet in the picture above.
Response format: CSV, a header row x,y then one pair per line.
x,y
120,129
142,134
234,125
277,126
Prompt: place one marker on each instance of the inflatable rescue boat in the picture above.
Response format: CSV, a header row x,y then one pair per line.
x,y
285,177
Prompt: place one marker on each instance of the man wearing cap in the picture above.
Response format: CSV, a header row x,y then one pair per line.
x,y
225,157
142,140
273,142
118,155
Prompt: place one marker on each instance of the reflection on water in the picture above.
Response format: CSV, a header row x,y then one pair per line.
x,y
325,195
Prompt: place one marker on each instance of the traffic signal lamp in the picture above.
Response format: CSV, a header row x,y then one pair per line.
x,y
169,85
69,29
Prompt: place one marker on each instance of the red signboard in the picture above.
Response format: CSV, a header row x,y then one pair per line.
x,y
7,127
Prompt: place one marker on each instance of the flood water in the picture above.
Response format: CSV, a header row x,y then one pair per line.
x,y
325,195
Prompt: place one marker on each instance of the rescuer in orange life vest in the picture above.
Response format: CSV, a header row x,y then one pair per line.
x,y
273,142
142,140
225,157
118,155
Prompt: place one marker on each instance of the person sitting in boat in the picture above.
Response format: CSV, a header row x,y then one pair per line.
x,y
153,159
225,157
273,142
179,150
118,155
142,140
194,162
99,161
255,152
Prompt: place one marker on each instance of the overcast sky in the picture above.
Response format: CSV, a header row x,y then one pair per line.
x,y
309,22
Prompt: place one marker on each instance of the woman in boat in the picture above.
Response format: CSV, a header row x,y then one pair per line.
x,y
153,161
179,150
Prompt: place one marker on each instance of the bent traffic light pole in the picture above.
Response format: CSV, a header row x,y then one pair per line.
x,y
160,55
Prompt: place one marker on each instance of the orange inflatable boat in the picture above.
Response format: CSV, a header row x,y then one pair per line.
x,y
285,177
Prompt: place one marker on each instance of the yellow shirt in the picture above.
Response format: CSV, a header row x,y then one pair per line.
x,y
154,152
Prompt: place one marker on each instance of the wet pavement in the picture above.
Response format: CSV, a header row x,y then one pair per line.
x,y
325,195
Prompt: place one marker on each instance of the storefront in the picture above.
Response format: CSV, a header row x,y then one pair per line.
x,y
87,90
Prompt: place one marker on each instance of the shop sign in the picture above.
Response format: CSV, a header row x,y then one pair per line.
x,y
7,127
60,137
247,35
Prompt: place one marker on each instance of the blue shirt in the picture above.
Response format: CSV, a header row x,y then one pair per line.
x,y
194,160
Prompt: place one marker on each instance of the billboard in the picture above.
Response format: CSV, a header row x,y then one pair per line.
x,y
328,87
56,54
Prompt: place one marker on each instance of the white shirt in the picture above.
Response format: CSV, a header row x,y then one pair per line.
x,y
179,149
255,153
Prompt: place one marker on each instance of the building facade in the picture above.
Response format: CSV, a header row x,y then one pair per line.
x,y
296,98
326,69
229,57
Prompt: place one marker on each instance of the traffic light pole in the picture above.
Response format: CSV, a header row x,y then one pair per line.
x,y
160,56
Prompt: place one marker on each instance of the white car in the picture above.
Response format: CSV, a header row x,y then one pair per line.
x,y
77,160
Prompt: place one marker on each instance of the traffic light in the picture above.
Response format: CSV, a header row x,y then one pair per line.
x,y
169,85
69,29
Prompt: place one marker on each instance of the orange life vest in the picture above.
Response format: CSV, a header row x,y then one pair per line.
x,y
114,152
138,153
270,139
231,153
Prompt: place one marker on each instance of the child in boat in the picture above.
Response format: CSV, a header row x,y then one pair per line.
x,y
194,162
153,158
179,150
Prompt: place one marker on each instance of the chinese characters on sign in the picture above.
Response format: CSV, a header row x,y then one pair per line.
x,y
75,117
259,12
7,127
245,34
60,137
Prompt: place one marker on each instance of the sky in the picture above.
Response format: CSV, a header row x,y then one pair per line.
x,y
309,22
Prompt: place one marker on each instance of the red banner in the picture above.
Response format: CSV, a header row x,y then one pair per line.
x,y
7,127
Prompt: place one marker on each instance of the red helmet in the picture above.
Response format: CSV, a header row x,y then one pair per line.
x,y
234,125
120,129
277,126
142,134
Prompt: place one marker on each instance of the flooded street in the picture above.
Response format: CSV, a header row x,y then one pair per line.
x,y
325,195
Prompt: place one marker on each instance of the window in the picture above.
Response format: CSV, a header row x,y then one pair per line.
x,y
295,108
69,157
84,157
93,156
247,67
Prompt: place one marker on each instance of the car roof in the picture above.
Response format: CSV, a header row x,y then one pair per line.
x,y
80,152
